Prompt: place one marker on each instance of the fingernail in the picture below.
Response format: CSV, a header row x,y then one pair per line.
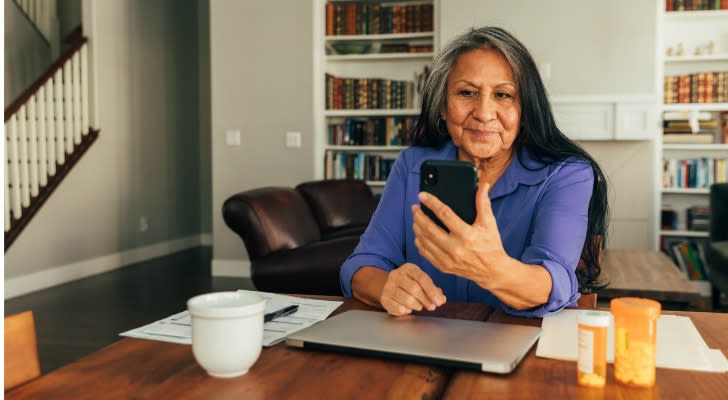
x,y
422,196
431,307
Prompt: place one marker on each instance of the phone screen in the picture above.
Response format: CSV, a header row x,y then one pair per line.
x,y
454,183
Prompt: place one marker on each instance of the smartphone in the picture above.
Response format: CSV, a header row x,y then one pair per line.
x,y
454,183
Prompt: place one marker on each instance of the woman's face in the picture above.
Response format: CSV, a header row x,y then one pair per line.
x,y
483,111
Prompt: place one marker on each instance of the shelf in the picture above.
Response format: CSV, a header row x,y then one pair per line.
x,y
371,113
708,147
385,36
376,183
711,57
379,56
355,148
684,233
686,190
695,107
678,15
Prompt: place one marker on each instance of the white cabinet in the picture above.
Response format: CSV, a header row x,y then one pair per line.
x,y
606,117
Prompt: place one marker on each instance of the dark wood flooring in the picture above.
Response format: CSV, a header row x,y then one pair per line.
x,y
80,317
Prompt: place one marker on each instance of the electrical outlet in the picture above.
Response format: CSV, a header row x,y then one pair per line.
x,y
143,224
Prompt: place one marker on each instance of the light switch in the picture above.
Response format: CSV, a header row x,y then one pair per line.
x,y
232,138
293,139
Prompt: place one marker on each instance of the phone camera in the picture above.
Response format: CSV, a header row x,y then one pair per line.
x,y
430,176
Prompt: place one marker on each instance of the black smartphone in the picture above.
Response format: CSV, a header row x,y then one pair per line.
x,y
454,183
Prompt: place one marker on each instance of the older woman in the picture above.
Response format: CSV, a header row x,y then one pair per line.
x,y
541,198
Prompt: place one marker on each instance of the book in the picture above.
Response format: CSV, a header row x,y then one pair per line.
x,y
688,138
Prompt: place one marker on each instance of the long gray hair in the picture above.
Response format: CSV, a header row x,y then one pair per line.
x,y
539,134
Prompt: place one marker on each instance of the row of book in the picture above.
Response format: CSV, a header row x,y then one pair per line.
x,y
695,127
370,167
697,218
693,173
689,256
376,131
368,93
701,87
695,5
353,18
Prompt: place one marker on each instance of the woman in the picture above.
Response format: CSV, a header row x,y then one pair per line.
x,y
541,198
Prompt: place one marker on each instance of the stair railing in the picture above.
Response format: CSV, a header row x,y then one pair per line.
x,y
47,129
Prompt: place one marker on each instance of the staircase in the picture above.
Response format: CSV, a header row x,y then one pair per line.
x,y
47,130
41,14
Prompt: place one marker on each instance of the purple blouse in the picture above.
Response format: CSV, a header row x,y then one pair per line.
x,y
541,212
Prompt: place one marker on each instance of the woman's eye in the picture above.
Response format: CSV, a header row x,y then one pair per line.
x,y
503,95
468,93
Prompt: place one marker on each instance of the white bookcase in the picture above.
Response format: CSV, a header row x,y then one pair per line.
x,y
371,64
689,30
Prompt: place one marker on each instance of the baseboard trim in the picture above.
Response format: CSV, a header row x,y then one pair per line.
x,y
25,284
231,268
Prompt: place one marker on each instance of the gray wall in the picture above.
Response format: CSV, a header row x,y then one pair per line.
x,y
69,16
261,79
146,161
27,55
593,47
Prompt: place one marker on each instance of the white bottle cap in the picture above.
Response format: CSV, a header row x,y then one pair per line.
x,y
594,318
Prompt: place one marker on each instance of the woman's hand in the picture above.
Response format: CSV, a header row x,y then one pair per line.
x,y
409,289
470,251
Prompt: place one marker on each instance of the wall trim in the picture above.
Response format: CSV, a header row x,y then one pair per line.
x,y
25,284
231,268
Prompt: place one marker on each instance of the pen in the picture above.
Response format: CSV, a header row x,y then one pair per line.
x,y
280,313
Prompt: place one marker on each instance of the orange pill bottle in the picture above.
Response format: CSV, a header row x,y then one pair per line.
x,y
635,334
591,366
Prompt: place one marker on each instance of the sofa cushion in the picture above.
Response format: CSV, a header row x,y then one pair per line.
x,y
270,219
312,269
339,204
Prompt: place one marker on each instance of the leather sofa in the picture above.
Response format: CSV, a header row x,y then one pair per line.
x,y
297,238
718,241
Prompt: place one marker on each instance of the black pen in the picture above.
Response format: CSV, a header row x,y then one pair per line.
x,y
280,313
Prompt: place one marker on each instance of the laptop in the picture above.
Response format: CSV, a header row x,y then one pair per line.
x,y
476,345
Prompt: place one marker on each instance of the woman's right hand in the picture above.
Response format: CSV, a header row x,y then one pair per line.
x,y
408,289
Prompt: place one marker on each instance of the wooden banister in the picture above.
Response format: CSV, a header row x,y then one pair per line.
x,y
36,202
58,64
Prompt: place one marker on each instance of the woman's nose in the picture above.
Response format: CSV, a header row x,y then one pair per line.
x,y
485,108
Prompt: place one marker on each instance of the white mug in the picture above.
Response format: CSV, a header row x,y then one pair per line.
x,y
227,331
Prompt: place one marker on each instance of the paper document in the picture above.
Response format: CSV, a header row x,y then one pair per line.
x,y
178,327
679,344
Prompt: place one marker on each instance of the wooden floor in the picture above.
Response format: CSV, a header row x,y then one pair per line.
x,y
78,318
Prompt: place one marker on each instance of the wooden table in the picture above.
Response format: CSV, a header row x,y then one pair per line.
x,y
142,369
649,274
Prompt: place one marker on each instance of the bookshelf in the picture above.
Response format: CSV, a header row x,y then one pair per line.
x,y
693,75
370,58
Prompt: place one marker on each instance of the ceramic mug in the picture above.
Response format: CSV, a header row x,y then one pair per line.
x,y
227,331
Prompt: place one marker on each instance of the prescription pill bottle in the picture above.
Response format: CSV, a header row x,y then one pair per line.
x,y
635,332
591,365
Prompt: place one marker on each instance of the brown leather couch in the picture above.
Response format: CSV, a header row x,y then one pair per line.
x,y
298,238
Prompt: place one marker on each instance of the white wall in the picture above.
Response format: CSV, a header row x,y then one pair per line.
x,y
593,47
27,55
261,84
146,161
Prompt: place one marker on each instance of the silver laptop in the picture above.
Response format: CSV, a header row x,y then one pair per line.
x,y
483,346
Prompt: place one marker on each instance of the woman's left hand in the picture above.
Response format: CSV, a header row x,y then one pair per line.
x,y
470,251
